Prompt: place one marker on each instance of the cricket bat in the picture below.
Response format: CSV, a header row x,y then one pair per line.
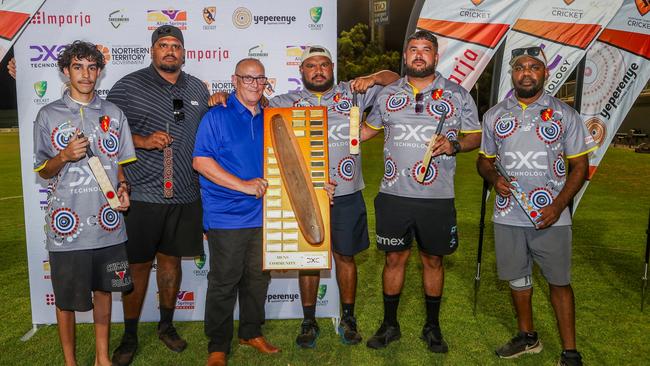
x,y
426,160
102,178
355,116
532,212
296,181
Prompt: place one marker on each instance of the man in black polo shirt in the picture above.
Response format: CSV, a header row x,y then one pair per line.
x,y
164,106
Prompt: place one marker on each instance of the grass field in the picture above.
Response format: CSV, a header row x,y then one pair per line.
x,y
609,239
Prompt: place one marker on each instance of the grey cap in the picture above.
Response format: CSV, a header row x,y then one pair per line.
x,y
167,31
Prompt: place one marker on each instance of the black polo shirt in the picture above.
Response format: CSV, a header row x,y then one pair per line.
x,y
147,100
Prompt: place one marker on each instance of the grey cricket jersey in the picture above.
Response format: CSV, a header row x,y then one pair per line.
x,y
78,216
407,134
533,143
345,168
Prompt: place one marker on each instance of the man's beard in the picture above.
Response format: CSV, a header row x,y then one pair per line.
x,y
318,88
420,73
529,93
171,68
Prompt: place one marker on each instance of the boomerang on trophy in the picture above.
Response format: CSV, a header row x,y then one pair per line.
x,y
426,160
532,212
295,178
168,170
355,116
100,176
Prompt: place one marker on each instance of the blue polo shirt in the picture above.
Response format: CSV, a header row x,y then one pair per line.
x,y
234,138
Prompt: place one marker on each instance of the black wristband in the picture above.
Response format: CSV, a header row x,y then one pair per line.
x,y
456,147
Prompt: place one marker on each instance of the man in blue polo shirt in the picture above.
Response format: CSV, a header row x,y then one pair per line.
x,y
228,156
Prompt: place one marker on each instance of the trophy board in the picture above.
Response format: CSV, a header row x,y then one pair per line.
x,y
285,246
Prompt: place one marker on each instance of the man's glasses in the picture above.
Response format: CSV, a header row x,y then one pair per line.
x,y
179,115
247,79
419,103
531,51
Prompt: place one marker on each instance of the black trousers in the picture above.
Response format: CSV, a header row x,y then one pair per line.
x,y
235,270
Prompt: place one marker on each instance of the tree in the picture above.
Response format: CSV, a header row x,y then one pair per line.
x,y
357,56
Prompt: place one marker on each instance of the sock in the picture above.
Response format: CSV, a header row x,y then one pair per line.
x,y
391,302
166,316
348,309
131,327
309,312
433,309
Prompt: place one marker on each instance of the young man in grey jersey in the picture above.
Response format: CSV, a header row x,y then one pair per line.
x,y
84,235
410,205
532,135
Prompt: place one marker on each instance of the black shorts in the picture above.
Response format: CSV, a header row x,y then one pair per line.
x,y
171,229
76,274
431,221
349,224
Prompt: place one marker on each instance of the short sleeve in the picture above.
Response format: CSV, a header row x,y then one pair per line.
x,y
577,141
488,144
42,146
375,118
208,136
469,118
126,153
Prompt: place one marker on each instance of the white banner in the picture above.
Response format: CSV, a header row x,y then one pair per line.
x,y
617,70
217,35
565,29
14,16
469,32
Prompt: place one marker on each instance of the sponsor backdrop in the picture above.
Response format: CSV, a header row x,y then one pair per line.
x,y
14,16
217,34
469,33
564,28
617,69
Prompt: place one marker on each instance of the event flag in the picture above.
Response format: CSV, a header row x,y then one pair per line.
x,y
469,33
14,15
565,29
616,71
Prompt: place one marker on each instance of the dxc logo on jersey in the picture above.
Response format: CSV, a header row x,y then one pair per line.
x,y
339,133
45,53
85,177
408,132
529,160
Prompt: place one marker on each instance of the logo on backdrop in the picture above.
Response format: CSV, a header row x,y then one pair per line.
x,y
242,18
282,298
643,6
175,17
477,2
199,262
322,291
40,88
270,87
49,299
215,55
105,51
125,54
46,269
315,14
568,13
257,51
224,86
185,300
294,53
80,19
117,18
209,13
44,56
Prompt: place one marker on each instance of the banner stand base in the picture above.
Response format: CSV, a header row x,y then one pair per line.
x,y
335,322
31,332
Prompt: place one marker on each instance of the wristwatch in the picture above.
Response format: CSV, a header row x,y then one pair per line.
x,y
455,146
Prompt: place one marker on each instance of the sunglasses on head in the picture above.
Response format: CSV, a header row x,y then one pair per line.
x,y
531,51
179,115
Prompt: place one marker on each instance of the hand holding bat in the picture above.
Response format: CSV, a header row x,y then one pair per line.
x,y
76,148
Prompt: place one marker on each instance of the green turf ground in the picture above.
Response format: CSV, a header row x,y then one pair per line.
x,y
609,239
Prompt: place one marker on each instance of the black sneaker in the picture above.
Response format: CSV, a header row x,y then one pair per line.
x,y
433,336
168,335
309,331
520,344
124,353
385,334
570,358
348,331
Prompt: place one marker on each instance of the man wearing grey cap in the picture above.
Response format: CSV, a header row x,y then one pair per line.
x,y
532,135
164,106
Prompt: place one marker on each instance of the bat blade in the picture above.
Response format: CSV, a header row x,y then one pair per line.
x,y
104,183
355,116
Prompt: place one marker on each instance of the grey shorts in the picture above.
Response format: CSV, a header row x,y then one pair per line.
x,y
517,247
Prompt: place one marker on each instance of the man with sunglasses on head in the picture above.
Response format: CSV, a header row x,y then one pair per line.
x,y
164,106
349,228
228,156
532,134
409,111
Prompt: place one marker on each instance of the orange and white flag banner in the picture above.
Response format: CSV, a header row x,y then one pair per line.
x,y
14,15
565,29
469,32
616,71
